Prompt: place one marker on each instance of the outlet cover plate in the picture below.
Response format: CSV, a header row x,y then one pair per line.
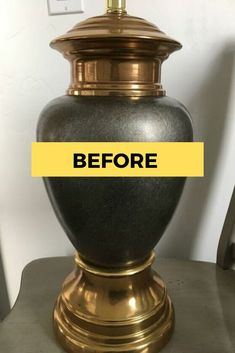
x,y
63,7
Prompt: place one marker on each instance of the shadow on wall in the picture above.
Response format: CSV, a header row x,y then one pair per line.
x,y
4,299
209,111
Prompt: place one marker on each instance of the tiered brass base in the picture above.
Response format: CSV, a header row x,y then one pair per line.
x,y
113,311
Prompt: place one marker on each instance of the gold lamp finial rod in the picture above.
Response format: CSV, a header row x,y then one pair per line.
x,y
116,6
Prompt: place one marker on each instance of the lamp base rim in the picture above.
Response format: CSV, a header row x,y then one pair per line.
x,y
98,314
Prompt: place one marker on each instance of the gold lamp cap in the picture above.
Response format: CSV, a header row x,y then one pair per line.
x,y
116,29
116,54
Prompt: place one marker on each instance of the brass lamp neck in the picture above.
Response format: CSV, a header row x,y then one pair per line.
x,y
116,6
116,54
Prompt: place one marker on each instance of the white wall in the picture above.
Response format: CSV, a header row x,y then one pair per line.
x,y
31,74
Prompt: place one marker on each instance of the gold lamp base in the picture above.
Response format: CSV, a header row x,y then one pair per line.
x,y
113,311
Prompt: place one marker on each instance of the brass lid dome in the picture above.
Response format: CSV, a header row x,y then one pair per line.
x,y
115,54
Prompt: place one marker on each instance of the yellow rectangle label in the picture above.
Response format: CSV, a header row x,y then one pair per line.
x,y
118,159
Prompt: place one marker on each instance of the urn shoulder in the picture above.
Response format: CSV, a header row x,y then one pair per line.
x,y
123,119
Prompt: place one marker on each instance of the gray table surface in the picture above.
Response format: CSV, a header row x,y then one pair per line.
x,y
203,296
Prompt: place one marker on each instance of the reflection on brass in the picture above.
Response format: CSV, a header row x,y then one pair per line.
x,y
116,54
116,77
113,310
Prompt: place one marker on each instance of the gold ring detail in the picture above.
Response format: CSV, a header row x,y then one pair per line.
x,y
105,272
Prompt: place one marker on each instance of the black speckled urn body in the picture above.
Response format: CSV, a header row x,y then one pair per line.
x,y
113,222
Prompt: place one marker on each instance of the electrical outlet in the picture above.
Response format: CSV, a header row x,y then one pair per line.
x,y
61,7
